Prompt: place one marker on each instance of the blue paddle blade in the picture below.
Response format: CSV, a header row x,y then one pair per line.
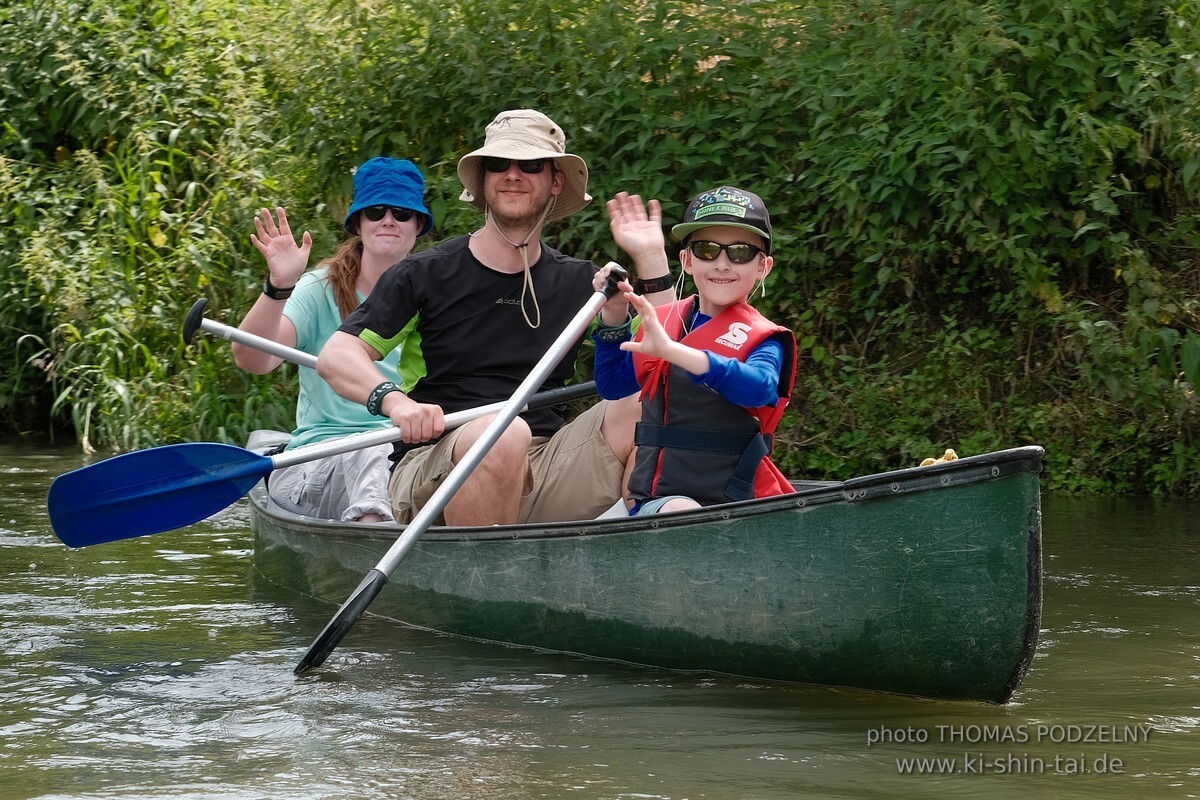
x,y
150,491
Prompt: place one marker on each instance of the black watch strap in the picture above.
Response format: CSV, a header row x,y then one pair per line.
x,y
274,292
653,284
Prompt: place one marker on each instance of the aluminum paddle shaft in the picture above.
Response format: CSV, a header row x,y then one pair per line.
x,y
168,487
375,580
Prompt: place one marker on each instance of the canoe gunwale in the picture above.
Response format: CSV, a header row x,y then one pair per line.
x,y
968,469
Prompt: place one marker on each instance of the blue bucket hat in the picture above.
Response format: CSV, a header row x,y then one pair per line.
x,y
389,182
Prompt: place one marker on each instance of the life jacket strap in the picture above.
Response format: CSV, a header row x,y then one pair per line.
x,y
741,485
750,447
682,438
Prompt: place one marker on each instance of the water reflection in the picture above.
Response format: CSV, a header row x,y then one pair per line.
x,y
161,668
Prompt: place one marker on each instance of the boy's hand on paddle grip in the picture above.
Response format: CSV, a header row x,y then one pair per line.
x,y
616,310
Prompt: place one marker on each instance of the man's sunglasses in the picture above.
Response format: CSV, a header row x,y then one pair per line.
x,y
738,253
493,164
376,213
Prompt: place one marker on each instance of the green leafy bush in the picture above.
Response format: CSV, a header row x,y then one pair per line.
x,y
986,214
131,153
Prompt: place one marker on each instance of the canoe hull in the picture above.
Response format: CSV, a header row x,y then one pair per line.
x,y
924,582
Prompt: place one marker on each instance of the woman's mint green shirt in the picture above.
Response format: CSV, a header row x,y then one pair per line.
x,y
322,413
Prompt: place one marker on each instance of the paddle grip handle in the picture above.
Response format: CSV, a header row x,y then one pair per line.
x,y
196,320
616,274
191,323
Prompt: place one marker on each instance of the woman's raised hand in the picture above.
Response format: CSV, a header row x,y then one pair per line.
x,y
286,260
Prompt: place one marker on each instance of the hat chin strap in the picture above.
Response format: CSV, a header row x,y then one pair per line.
x,y
523,248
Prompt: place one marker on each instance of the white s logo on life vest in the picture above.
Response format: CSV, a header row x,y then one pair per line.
x,y
735,337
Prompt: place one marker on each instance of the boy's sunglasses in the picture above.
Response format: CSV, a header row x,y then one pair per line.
x,y
376,213
494,164
738,253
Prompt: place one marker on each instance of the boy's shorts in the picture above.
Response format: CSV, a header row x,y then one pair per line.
x,y
651,507
572,474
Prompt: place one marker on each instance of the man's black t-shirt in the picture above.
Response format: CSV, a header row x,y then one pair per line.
x,y
476,342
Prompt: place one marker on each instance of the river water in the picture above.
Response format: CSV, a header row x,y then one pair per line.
x,y
161,667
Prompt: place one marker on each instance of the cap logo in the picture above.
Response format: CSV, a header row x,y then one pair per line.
x,y
723,201
727,209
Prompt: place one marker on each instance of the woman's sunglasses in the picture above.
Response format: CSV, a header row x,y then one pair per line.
x,y
493,164
738,253
376,213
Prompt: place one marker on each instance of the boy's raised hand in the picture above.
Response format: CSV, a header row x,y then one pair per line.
x,y
656,343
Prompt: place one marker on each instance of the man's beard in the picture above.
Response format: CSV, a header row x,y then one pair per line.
x,y
524,221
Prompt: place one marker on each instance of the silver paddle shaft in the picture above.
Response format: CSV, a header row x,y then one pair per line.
x,y
504,416
259,343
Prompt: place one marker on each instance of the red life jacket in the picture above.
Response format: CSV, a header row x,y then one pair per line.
x,y
693,442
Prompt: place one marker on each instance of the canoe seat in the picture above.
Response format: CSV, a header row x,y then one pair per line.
x,y
268,443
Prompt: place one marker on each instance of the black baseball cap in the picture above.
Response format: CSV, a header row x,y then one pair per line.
x,y
726,206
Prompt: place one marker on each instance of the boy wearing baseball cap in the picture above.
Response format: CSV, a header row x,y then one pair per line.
x,y
715,375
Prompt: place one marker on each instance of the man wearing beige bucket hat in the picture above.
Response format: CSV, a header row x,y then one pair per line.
x,y
488,306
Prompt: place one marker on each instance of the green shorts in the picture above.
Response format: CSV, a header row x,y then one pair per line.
x,y
572,474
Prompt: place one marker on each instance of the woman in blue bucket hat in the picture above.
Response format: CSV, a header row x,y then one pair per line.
x,y
302,309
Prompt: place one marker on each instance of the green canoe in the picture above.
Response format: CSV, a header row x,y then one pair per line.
x,y
923,581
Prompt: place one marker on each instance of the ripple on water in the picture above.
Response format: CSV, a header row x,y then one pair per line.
x,y
158,669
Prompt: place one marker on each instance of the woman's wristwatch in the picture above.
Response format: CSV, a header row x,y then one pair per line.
x,y
274,292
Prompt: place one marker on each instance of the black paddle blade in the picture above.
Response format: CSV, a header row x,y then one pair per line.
x,y
342,621
150,491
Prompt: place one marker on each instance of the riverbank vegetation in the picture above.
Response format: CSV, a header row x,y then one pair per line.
x,y
987,215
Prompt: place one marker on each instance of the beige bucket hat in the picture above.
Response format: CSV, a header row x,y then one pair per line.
x,y
525,135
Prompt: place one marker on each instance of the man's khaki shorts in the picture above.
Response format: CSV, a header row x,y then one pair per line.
x,y
572,474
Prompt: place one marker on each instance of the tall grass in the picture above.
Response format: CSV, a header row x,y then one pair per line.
x,y
133,142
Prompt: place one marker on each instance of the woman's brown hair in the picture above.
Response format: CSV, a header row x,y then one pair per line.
x,y
344,266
